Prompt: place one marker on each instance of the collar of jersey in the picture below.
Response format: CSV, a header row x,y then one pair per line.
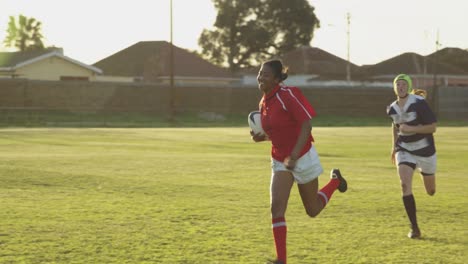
x,y
272,92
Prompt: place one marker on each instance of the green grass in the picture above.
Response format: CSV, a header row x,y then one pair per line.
x,y
200,195
37,119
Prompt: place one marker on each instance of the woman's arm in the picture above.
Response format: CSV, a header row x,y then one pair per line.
x,y
304,134
421,129
259,137
306,128
394,134
394,139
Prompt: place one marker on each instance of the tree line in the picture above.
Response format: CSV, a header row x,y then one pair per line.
x,y
244,33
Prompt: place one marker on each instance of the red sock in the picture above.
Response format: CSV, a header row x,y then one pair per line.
x,y
327,191
279,232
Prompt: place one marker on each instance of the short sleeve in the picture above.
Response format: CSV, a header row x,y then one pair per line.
x,y
425,113
297,104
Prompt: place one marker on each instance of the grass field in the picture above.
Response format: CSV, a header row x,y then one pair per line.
x,y
40,119
200,195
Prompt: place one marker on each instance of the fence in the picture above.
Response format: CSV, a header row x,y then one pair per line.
x,y
452,102
78,96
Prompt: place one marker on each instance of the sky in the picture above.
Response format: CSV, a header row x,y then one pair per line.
x,y
91,30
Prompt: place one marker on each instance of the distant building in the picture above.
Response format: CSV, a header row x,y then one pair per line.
x,y
49,64
454,56
314,67
424,70
322,65
149,61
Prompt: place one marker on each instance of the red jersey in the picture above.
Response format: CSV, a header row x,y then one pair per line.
x,y
283,110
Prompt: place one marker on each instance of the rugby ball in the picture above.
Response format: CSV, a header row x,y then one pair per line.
x,y
255,122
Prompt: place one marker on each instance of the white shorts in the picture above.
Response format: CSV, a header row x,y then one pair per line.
x,y
426,165
307,168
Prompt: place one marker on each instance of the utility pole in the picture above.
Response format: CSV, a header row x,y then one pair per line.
x,y
348,65
171,72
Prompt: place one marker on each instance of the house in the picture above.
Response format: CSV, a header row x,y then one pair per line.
x,y
48,64
311,66
424,70
150,61
454,56
308,60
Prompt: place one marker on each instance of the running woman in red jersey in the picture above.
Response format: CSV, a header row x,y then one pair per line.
x,y
413,143
286,116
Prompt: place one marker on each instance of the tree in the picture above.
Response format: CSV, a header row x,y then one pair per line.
x,y
246,32
24,34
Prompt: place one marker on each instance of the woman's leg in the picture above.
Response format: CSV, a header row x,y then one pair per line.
x,y
280,189
429,183
313,205
313,200
405,172
406,179
281,183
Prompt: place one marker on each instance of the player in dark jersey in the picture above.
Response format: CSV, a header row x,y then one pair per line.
x,y
413,144
285,116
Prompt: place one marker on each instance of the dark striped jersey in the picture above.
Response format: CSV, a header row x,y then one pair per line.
x,y
415,112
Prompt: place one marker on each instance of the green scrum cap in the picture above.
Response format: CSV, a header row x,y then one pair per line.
x,y
403,77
